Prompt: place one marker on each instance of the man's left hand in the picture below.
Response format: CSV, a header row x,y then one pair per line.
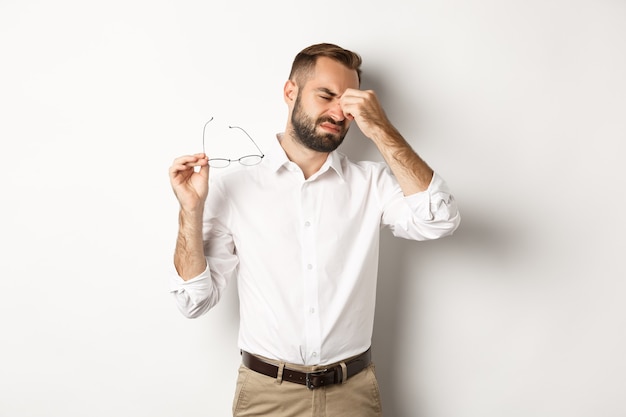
x,y
363,107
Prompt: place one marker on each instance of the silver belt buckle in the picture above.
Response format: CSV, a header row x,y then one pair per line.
x,y
309,382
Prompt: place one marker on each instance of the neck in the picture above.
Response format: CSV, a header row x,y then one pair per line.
x,y
308,160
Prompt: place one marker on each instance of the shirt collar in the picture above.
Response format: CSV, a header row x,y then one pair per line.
x,y
277,158
334,161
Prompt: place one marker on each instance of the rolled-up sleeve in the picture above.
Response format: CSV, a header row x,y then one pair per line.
x,y
430,214
196,296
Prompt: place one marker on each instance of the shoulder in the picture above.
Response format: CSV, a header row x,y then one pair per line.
x,y
368,169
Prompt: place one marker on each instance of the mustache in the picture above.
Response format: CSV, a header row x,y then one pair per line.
x,y
330,120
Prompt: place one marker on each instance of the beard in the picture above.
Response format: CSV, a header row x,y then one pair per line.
x,y
305,130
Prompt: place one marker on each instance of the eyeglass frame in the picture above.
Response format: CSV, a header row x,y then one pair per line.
x,y
225,161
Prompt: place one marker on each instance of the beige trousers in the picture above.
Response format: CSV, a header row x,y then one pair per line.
x,y
260,395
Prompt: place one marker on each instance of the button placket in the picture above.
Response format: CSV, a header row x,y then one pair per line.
x,y
310,276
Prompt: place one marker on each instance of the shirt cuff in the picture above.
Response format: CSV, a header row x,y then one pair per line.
x,y
425,204
177,284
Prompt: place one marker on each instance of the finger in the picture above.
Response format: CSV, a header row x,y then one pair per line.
x,y
180,170
189,161
356,96
183,164
347,112
352,92
204,171
183,161
188,158
178,176
347,108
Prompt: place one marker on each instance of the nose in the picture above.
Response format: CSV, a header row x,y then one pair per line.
x,y
336,112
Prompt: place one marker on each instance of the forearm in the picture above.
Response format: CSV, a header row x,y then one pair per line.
x,y
189,257
412,173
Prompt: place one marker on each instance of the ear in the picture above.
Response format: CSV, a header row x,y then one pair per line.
x,y
290,92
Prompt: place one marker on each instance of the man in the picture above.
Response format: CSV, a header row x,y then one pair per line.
x,y
300,231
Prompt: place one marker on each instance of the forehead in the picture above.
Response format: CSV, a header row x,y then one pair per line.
x,y
332,75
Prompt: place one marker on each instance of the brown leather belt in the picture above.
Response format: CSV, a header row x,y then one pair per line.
x,y
312,380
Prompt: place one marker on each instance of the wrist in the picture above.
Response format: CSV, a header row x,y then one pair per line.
x,y
190,216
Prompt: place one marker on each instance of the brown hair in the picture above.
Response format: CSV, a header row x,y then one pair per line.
x,y
305,61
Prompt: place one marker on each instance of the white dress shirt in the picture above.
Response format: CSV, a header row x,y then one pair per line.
x,y
305,252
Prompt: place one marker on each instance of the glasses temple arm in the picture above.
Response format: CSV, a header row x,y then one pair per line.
x,y
249,137
203,134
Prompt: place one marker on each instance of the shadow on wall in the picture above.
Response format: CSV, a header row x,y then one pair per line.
x,y
398,296
480,238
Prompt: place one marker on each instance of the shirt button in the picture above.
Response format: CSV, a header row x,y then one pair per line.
x,y
311,310
314,354
309,267
307,224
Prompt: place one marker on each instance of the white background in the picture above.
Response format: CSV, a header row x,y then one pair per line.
x,y
520,105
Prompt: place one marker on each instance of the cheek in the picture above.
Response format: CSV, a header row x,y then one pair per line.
x,y
316,105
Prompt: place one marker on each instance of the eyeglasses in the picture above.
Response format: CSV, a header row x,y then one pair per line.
x,y
247,160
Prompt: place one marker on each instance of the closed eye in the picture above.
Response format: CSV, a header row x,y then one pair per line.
x,y
326,94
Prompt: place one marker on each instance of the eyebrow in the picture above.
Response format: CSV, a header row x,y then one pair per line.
x,y
326,91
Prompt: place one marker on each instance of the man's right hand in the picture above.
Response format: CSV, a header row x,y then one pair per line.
x,y
190,187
